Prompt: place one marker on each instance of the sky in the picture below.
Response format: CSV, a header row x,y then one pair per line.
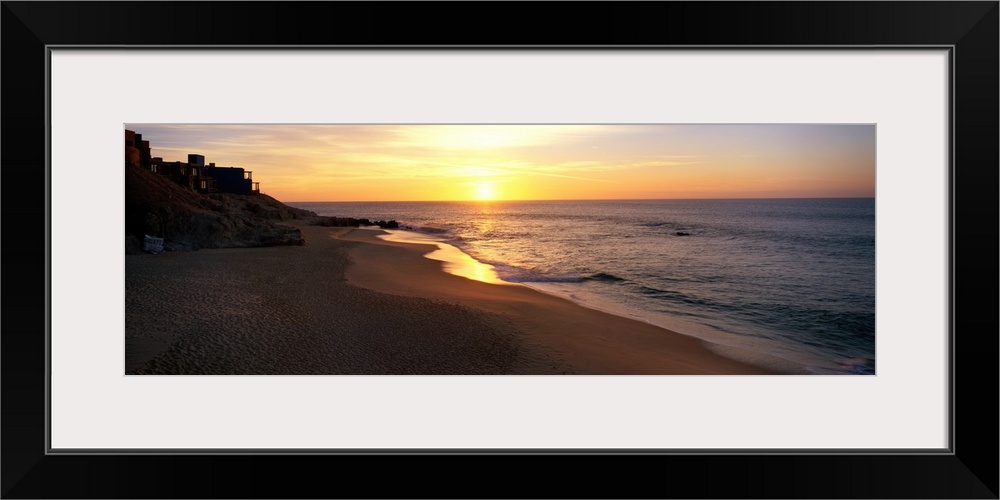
x,y
299,163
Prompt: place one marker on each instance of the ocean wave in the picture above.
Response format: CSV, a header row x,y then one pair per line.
x,y
424,229
603,277
519,275
656,292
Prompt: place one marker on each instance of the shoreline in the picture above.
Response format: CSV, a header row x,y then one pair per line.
x,y
455,261
349,303
591,341
288,310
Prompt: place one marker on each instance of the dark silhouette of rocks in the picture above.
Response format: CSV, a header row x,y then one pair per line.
x,y
681,233
339,222
351,222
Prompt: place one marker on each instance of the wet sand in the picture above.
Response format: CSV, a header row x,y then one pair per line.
x,y
348,302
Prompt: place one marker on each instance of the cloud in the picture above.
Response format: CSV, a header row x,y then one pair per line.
x,y
321,156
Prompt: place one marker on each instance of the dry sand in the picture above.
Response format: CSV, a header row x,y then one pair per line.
x,y
350,303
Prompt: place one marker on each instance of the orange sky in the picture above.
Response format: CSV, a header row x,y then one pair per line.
x,y
296,163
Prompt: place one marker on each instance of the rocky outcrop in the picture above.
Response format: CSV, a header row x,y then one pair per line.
x,y
196,230
187,220
351,222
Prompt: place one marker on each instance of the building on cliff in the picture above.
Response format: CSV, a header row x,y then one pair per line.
x,y
193,173
233,179
140,147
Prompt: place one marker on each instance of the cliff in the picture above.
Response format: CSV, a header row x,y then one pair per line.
x,y
187,220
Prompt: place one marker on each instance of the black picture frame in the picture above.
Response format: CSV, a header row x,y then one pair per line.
x,y
970,29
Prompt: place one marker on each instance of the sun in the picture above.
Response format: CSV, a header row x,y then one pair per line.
x,y
485,191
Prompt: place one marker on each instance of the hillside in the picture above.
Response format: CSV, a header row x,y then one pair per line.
x,y
187,220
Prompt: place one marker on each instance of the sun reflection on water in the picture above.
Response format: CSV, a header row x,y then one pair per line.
x,y
454,260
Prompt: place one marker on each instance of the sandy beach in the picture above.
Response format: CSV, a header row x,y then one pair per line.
x,y
348,302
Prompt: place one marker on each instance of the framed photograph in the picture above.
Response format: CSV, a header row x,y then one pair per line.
x,y
885,112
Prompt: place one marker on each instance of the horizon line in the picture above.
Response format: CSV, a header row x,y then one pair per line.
x,y
586,199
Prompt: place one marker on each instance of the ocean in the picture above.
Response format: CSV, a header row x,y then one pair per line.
x,y
788,283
